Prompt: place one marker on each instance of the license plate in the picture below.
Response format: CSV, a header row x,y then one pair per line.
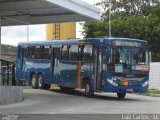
x,y
129,90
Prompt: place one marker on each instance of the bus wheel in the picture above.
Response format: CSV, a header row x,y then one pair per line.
x,y
34,81
40,81
121,95
88,91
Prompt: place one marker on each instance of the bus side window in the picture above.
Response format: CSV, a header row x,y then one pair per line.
x,y
30,53
56,53
87,53
46,52
73,52
36,53
81,47
64,54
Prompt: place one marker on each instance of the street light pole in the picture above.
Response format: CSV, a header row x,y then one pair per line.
x,y
0,51
110,19
27,33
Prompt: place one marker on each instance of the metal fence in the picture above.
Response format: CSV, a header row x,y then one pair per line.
x,y
7,73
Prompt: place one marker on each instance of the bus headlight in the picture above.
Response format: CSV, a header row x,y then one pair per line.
x,y
112,82
145,84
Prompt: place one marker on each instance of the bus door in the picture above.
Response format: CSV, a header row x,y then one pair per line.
x,y
100,68
52,65
55,65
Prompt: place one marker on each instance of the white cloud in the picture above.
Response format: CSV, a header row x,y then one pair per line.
x,y
79,27
13,35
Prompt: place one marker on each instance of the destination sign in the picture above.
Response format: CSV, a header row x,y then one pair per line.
x,y
126,43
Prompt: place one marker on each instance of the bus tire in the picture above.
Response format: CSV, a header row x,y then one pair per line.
x,y
34,81
40,81
121,95
88,90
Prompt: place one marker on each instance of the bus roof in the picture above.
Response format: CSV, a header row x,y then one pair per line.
x,y
79,41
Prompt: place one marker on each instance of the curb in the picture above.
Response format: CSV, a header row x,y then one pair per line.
x,y
153,95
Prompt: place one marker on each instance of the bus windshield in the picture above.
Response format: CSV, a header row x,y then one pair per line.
x,y
129,60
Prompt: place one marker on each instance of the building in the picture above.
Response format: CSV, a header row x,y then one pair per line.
x,y
154,79
61,31
8,52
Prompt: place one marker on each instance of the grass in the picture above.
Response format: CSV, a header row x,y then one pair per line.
x,y
153,91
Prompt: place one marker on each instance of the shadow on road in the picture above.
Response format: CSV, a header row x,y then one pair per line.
x,y
100,96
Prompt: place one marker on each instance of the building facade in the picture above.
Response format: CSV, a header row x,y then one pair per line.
x,y
60,31
8,52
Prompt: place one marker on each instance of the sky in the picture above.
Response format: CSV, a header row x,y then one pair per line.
x,y
13,35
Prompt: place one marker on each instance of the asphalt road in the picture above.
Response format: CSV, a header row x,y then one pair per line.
x,y
57,102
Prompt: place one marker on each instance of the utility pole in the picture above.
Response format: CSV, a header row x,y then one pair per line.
x,y
27,33
0,52
110,19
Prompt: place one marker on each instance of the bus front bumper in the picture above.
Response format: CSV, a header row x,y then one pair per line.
x,y
126,89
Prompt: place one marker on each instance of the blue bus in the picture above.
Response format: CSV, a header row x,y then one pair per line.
x,y
118,65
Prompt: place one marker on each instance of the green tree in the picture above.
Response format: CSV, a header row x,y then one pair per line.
x,y
94,29
125,8
139,27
